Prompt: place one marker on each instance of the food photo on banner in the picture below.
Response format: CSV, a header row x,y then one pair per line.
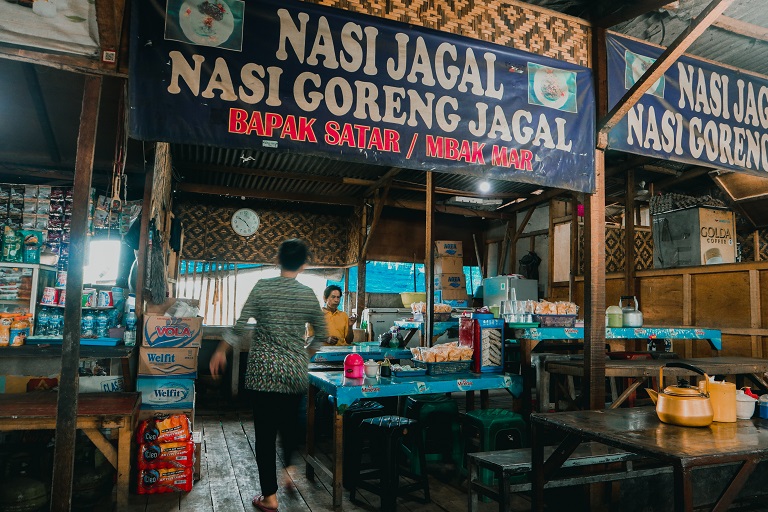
x,y
698,112
281,75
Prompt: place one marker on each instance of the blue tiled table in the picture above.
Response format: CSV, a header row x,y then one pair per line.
x,y
345,391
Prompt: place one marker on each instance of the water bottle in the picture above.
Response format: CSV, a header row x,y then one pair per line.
x,y
87,324
56,323
101,324
43,322
130,329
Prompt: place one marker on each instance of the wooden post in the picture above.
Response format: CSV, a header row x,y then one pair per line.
x,y
360,302
574,248
629,236
66,409
429,260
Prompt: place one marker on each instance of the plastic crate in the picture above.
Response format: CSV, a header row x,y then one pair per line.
x,y
443,368
555,320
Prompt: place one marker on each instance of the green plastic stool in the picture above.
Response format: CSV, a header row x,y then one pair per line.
x,y
438,416
494,429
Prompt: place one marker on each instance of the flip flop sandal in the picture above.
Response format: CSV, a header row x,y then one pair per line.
x,y
256,502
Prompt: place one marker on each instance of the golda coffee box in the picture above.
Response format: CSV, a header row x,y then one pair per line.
x,y
162,362
166,392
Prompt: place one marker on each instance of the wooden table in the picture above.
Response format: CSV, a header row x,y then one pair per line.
x,y
639,430
344,392
95,411
530,337
640,370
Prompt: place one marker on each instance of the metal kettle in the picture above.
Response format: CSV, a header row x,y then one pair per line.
x,y
683,405
631,316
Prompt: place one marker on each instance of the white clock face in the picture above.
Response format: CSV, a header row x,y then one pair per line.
x,y
245,222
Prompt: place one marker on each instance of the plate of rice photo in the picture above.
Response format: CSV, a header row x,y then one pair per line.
x,y
208,23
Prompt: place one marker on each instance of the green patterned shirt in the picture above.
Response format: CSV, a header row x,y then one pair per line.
x,y
277,359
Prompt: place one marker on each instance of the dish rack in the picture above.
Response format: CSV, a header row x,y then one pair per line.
x,y
443,368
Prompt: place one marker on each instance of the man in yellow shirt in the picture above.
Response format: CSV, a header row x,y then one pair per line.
x,y
338,323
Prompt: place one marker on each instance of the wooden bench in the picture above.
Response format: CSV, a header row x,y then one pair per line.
x,y
589,463
95,411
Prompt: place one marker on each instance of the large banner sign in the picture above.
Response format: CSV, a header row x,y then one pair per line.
x,y
696,113
284,75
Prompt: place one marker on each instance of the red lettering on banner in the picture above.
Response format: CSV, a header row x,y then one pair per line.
x,y
452,149
300,129
510,157
362,137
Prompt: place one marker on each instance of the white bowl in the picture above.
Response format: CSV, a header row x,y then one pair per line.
x,y
371,370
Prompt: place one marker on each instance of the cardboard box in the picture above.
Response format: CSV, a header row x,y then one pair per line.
x,y
449,265
198,456
448,248
170,332
166,392
162,362
693,236
450,282
453,294
101,384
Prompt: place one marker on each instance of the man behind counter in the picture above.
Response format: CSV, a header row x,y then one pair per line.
x,y
339,324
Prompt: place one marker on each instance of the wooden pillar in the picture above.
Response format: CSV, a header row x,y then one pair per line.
x,y
574,248
629,236
66,409
429,260
360,302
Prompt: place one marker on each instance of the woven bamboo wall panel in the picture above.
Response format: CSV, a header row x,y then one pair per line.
x,y
208,235
614,250
747,242
507,23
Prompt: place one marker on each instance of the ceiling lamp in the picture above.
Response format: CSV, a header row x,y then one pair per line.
x,y
484,187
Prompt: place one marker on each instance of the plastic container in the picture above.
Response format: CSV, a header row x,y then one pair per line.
x,y
371,368
762,406
6,319
722,395
614,316
353,366
19,331
745,405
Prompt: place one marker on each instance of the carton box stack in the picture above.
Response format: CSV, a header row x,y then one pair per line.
x,y
168,364
450,282
166,454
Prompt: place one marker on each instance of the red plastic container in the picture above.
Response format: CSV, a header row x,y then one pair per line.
x,y
354,366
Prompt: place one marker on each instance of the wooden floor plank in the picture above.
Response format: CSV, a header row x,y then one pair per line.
x,y
199,498
225,495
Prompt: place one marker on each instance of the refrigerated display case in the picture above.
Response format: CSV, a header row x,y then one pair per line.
x,y
22,284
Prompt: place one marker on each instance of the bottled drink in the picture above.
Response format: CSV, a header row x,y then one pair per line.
x,y
56,323
43,322
101,323
130,329
87,323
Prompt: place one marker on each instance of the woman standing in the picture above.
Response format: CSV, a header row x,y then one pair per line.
x,y
277,360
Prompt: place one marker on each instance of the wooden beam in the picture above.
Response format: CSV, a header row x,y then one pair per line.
x,y
108,26
454,210
657,69
265,194
629,236
742,28
694,172
535,200
66,408
73,63
379,206
386,179
633,162
630,11
429,262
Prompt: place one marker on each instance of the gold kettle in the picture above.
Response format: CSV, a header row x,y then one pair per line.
x,y
683,405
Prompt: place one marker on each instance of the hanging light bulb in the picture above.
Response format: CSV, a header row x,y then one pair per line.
x,y
484,187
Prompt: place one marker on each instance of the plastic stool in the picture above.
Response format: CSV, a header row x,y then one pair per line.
x,y
353,416
497,429
386,435
438,416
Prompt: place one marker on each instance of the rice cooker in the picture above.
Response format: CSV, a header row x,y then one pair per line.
x,y
354,366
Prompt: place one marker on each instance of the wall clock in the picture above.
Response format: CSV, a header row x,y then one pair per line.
x,y
245,222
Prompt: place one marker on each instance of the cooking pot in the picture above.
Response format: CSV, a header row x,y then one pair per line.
x,y
631,316
683,404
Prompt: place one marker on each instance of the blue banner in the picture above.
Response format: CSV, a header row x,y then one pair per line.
x,y
289,76
698,112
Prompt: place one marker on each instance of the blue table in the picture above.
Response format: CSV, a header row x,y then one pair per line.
x,y
438,328
337,354
345,391
530,337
